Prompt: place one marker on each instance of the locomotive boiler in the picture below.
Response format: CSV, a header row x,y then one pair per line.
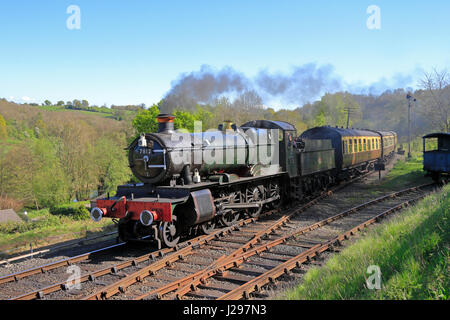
x,y
168,157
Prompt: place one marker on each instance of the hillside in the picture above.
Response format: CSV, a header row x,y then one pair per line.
x,y
51,155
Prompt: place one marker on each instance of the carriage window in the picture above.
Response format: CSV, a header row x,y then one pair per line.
x,y
373,144
431,144
355,145
351,145
444,144
359,145
369,144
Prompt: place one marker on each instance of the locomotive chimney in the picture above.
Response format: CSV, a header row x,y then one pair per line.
x,y
165,123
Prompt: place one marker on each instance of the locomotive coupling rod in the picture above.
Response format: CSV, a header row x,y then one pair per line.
x,y
257,204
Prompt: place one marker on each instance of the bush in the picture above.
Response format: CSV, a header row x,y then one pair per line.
x,y
8,203
76,211
20,227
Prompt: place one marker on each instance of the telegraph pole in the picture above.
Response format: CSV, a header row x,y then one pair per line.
x,y
348,117
349,110
409,97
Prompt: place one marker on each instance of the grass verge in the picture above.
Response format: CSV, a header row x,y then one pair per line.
x,y
405,173
411,250
49,226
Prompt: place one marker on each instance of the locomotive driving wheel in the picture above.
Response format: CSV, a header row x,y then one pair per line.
x,y
254,195
208,227
169,232
274,190
231,217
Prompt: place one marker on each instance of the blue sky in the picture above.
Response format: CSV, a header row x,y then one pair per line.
x,y
129,52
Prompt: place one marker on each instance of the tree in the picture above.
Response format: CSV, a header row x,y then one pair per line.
x,y
60,103
49,183
184,121
437,97
204,116
145,120
47,103
113,170
76,103
3,128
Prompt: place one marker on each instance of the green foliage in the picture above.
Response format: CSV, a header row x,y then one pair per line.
x,y
21,227
205,116
184,121
52,157
411,250
404,174
145,121
113,169
319,119
3,129
76,211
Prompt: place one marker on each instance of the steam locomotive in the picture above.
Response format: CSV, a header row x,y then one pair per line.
x,y
195,182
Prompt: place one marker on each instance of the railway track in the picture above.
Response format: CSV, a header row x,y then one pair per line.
x,y
90,275
233,262
188,270
276,249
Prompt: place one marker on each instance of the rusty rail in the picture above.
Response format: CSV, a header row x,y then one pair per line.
x,y
284,268
61,263
66,262
123,284
138,276
240,255
197,277
93,275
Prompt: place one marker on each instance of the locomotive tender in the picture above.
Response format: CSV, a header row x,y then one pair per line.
x,y
193,182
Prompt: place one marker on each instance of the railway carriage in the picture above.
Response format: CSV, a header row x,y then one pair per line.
x,y
389,142
436,155
354,150
261,164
